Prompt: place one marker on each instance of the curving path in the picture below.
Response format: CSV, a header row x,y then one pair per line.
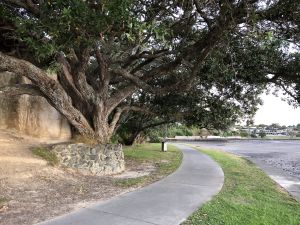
x,y
167,202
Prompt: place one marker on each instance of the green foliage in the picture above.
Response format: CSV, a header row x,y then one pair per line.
x,y
45,154
228,133
75,24
247,197
71,24
158,134
130,182
3,200
208,72
244,133
262,134
155,136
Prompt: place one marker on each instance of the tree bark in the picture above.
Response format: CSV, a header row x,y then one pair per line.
x,y
131,139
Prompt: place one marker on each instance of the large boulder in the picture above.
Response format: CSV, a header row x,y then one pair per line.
x,y
30,115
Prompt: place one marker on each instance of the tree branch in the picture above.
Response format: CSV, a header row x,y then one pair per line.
x,y
51,89
25,4
295,97
134,79
202,14
119,112
66,78
145,55
103,74
119,96
196,53
21,89
155,124
79,75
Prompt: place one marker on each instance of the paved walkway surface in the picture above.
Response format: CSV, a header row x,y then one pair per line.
x,y
166,202
280,159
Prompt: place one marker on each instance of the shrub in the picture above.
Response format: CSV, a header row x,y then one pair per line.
x,y
253,135
262,134
244,133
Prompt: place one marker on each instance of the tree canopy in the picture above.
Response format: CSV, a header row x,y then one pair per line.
x,y
106,53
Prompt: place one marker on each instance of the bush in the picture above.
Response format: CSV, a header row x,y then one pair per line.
x,y
155,136
244,133
262,134
253,135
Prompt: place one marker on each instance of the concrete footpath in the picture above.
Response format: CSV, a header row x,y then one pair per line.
x,y
167,202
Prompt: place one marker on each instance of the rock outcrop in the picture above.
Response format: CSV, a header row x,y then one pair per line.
x,y
30,115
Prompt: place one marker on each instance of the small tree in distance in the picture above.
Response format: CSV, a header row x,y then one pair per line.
x,y
262,134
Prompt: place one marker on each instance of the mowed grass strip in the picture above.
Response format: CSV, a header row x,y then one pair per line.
x,y
248,197
165,162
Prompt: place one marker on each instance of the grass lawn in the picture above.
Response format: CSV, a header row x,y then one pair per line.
x,y
281,138
165,162
248,197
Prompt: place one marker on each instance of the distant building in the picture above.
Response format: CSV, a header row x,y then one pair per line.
x,y
268,130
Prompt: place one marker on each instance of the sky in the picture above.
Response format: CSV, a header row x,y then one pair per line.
x,y
274,110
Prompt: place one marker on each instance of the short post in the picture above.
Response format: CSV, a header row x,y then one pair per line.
x,y
164,146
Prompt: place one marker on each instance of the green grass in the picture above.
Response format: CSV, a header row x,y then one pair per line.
x,y
281,138
3,200
165,162
248,197
45,154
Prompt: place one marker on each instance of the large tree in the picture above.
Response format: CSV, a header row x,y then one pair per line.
x,y
214,101
105,52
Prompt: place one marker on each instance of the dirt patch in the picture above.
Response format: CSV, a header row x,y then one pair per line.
x,y
35,191
140,170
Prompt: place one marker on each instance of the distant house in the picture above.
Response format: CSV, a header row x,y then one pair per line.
x,y
268,130
249,130
274,131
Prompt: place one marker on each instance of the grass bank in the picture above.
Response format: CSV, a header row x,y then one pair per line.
x,y
3,200
248,197
165,162
281,138
45,154
3,203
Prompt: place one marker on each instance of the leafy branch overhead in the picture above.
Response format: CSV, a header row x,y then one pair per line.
x,y
107,53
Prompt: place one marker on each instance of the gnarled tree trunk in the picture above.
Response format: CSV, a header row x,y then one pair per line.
x,y
93,98
87,111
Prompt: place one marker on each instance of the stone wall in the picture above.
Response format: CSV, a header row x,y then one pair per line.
x,y
31,115
98,159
